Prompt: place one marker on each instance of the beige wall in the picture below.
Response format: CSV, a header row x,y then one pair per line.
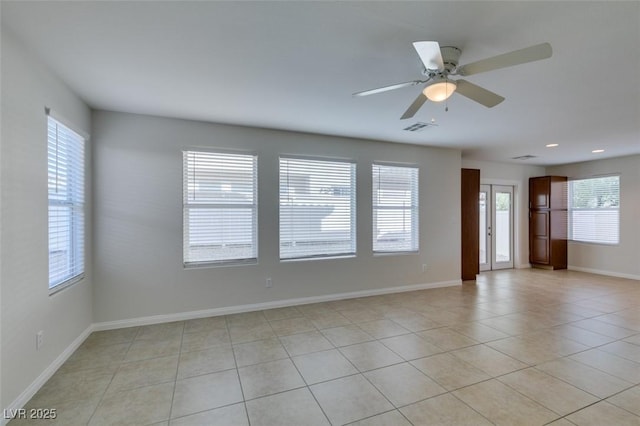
x,y
622,259
138,219
27,87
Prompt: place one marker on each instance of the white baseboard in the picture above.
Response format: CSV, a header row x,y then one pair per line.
x,y
181,316
523,266
601,272
35,386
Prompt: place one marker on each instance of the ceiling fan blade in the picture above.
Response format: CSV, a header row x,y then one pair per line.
x,y
387,88
478,94
430,55
517,57
414,107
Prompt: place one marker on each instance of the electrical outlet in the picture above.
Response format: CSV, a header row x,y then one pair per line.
x,y
268,283
39,339
424,267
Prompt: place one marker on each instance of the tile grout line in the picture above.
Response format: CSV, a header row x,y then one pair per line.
x,y
307,386
175,381
106,389
235,360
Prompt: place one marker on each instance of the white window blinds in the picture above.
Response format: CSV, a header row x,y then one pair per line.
x,y
65,150
395,208
594,210
317,208
219,207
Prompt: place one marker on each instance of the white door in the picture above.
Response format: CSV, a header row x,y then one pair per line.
x,y
502,229
496,227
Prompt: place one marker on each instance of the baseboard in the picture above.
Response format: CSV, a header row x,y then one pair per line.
x,y
31,390
601,272
181,316
523,266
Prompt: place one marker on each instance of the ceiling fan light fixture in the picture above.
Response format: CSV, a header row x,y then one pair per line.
x,y
440,90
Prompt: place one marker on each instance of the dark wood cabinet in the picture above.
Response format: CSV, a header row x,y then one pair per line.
x,y
539,237
548,222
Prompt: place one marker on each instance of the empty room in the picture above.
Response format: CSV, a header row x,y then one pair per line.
x,y
320,213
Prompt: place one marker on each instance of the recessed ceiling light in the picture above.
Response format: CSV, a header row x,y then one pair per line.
x,y
596,151
551,145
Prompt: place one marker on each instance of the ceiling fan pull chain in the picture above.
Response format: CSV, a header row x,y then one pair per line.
x,y
446,100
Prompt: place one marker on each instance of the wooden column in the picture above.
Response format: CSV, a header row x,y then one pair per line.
x,y
470,209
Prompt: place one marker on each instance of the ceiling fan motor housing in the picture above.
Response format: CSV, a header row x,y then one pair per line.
x,y
450,57
450,60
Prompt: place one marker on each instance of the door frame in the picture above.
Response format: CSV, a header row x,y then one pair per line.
x,y
486,188
517,221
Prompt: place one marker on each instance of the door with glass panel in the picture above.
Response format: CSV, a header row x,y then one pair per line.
x,y
496,227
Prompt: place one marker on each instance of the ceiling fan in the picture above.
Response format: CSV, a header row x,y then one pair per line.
x,y
442,62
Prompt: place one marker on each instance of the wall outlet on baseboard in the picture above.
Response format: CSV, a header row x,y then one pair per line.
x,y
39,339
268,283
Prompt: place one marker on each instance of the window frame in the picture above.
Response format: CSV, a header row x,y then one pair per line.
x,y
571,209
414,209
186,207
352,206
74,200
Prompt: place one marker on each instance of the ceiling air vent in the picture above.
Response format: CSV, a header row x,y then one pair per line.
x,y
419,126
524,157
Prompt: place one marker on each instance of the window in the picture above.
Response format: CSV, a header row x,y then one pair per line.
x,y
395,209
317,208
65,162
219,207
594,210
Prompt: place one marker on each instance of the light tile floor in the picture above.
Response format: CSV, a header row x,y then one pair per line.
x,y
518,347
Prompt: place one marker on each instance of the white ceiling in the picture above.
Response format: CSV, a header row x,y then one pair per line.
x,y
294,65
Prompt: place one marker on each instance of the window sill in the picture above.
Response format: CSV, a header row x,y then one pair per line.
x,y
65,284
231,263
593,243
305,259
394,253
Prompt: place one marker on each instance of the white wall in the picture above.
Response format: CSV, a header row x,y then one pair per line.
x,y
517,175
138,219
622,259
27,86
